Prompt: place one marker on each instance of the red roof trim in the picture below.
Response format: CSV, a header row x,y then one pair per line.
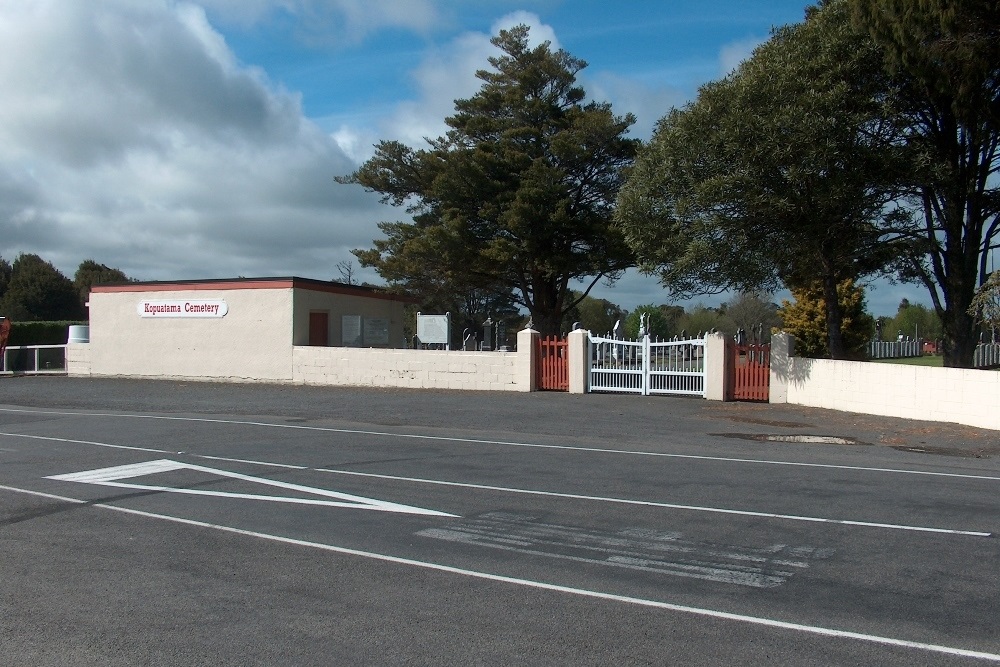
x,y
193,286
253,283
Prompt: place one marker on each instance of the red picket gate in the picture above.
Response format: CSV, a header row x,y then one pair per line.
x,y
750,379
553,364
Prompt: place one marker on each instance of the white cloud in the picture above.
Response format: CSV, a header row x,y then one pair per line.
x,y
130,135
448,73
330,21
631,96
732,54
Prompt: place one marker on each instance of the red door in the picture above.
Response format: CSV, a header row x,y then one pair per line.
x,y
553,364
319,328
750,371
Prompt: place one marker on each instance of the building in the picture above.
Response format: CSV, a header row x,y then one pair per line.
x,y
231,329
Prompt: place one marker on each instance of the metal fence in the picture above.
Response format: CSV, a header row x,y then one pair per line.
x,y
33,360
987,355
895,349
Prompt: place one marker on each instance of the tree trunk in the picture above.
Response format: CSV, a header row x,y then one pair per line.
x,y
545,304
959,333
546,323
834,317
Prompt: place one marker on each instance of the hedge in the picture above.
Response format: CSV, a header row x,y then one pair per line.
x,y
39,333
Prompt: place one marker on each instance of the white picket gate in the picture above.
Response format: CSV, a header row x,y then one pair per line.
x,y
646,366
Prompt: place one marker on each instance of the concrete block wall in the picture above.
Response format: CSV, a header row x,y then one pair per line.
x,y
957,395
78,359
415,369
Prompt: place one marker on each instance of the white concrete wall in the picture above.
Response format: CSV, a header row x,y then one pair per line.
x,y
78,359
252,342
417,369
959,395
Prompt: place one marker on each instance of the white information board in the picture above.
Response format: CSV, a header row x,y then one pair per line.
x,y
434,329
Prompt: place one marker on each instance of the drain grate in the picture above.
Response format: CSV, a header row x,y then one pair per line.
x,y
812,439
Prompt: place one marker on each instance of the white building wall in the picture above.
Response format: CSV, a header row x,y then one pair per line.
x,y
252,342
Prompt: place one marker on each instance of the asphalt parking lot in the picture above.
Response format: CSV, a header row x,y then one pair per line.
x,y
172,523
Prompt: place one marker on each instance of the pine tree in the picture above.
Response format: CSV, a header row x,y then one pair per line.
x,y
517,197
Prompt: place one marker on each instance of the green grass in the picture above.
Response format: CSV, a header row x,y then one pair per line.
x,y
926,360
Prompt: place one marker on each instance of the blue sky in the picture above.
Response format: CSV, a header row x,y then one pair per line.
x,y
185,140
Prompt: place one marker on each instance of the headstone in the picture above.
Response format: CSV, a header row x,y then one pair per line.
x,y
487,334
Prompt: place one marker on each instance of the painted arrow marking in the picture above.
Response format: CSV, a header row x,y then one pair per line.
x,y
113,476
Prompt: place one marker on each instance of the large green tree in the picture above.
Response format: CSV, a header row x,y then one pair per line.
x,y
913,320
945,56
593,314
39,291
90,273
781,173
755,313
517,196
5,272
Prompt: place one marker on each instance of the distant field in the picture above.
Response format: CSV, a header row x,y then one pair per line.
x,y
926,360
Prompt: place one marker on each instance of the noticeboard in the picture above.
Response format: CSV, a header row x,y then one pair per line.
x,y
376,331
434,329
350,330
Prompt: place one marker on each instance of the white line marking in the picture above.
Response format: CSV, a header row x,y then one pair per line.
x,y
646,503
474,441
650,503
104,475
667,606
111,477
89,442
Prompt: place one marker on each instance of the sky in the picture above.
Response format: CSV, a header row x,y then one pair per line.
x,y
192,140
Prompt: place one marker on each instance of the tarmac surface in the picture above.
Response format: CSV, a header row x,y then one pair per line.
x,y
187,523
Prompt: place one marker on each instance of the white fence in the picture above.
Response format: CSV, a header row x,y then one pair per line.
x,y
33,359
646,366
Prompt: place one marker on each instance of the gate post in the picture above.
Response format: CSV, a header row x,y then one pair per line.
x,y
782,349
527,359
646,360
716,368
579,361
731,360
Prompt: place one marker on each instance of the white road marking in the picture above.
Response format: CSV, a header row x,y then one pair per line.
x,y
707,572
476,441
631,548
484,487
650,503
112,476
656,604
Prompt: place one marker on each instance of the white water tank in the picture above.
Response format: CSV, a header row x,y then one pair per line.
x,y
78,333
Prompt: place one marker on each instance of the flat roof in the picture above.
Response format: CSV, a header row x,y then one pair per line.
x,y
289,282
